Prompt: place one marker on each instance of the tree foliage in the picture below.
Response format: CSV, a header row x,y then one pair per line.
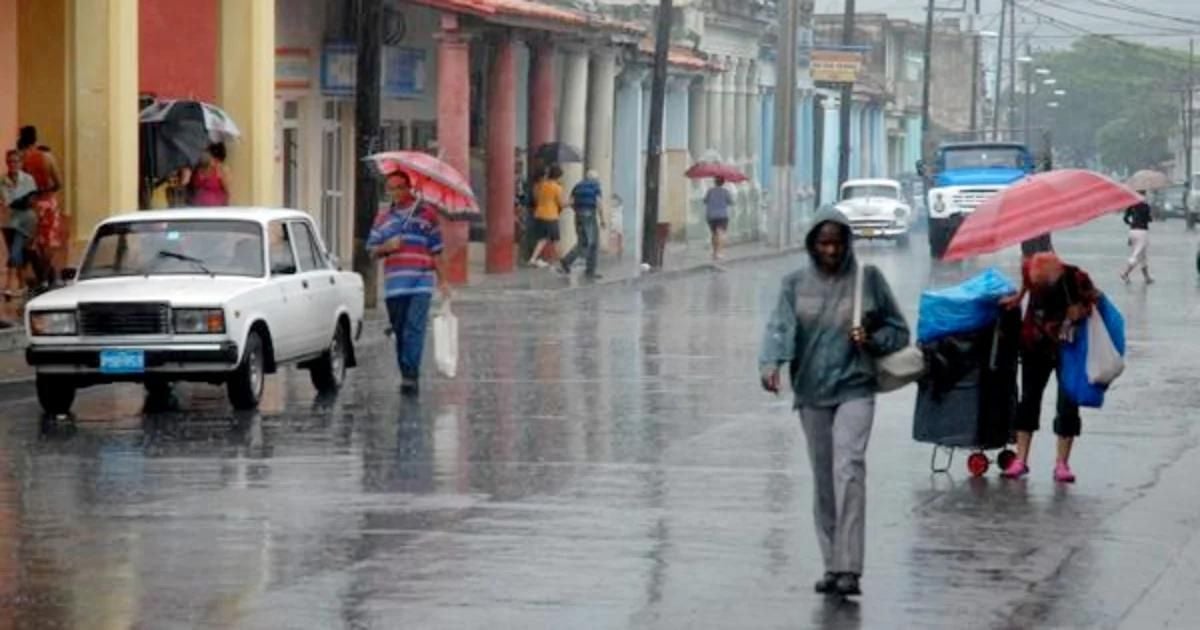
x,y
1122,103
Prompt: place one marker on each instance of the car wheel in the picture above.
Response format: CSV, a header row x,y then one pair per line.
x,y
329,371
245,386
56,393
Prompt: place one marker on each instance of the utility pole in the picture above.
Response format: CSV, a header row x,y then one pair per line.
x,y
1028,94
999,74
658,94
1189,133
785,118
927,83
1012,68
366,130
977,45
847,99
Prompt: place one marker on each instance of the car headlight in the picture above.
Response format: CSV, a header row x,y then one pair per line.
x,y
51,323
199,321
901,212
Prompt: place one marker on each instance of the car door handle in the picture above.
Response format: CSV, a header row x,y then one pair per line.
x,y
332,280
304,283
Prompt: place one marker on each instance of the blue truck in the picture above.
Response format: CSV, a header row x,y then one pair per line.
x,y
963,175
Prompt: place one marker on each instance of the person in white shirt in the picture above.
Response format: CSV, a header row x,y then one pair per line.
x,y
17,190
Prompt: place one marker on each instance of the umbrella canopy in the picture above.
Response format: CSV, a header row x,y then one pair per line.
x,y
1037,205
712,170
558,153
434,181
216,122
1148,180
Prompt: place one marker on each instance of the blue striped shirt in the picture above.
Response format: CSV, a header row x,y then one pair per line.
x,y
408,270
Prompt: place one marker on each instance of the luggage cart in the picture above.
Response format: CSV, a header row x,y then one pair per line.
x,y
969,399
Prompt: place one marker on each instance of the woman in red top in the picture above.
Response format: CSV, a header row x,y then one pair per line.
x,y
210,182
51,239
1060,296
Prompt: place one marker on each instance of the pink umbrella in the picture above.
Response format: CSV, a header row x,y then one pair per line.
x,y
434,181
713,170
1036,205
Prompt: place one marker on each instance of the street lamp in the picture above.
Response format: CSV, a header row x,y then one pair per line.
x,y
1052,104
1050,81
1025,59
1043,71
1060,92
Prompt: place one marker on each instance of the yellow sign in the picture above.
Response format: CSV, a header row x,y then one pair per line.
x,y
836,66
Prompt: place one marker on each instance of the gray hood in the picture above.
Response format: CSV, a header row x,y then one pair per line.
x,y
829,214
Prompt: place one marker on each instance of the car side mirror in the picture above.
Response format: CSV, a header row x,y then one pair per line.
x,y
69,274
921,168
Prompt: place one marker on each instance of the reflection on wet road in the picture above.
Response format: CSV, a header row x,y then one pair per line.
x,y
603,462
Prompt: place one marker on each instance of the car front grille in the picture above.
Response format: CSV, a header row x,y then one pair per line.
x,y
124,318
871,224
970,199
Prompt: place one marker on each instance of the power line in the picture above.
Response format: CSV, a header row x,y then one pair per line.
x,y
1129,8
1118,20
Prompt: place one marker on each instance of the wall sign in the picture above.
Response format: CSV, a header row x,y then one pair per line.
x,y
339,65
293,68
403,72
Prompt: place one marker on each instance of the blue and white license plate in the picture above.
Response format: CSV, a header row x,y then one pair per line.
x,y
122,361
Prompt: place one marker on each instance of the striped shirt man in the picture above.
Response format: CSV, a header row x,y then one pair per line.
x,y
409,270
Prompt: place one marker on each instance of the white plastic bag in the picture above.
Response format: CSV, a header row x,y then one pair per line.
x,y
1104,362
897,369
445,341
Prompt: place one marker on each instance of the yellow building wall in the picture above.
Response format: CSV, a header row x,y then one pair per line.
x,y
42,49
246,91
8,73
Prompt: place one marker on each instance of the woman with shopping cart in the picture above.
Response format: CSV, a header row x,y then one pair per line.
x,y
833,377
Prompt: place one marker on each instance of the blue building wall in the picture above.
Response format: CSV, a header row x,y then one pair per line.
x,y
627,150
829,174
767,146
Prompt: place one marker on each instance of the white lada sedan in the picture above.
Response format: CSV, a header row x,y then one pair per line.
x,y
223,296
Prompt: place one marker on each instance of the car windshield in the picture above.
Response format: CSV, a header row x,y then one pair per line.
x,y
188,246
872,190
983,157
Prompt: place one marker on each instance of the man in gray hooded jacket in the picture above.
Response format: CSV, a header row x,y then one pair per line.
x,y
832,367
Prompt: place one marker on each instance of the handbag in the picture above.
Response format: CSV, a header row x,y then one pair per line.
x,y
895,370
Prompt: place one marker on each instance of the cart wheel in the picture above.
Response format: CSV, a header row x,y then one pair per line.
x,y
977,464
1005,458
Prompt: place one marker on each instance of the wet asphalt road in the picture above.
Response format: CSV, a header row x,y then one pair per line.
x,y
603,462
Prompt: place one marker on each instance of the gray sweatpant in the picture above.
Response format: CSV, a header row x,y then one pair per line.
x,y
837,448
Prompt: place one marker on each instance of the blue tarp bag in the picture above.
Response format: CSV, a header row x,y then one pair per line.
x,y
964,307
1072,367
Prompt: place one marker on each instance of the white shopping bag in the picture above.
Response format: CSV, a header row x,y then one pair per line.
x,y
445,341
1104,362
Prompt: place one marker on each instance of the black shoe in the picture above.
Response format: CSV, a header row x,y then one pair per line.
x,y
847,585
410,387
564,268
594,276
827,584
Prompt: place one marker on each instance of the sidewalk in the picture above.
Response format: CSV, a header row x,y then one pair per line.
x,y
680,260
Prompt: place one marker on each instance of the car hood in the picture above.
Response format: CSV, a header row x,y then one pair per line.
x,y
979,177
176,290
869,206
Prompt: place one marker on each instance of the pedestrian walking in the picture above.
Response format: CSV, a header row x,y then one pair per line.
x,y
408,237
1138,219
717,202
589,218
833,377
1060,296
548,204
209,183
17,190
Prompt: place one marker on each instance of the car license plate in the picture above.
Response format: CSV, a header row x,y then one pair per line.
x,y
122,361
870,232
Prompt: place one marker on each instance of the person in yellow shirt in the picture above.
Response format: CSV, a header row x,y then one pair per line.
x,y
548,204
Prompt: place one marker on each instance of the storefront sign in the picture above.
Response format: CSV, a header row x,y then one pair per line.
x,y
339,66
293,68
403,72
836,66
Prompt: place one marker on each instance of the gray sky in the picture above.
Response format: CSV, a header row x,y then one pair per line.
x,y
1106,16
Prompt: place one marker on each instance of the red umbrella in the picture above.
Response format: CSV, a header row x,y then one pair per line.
x,y
712,170
1036,205
434,181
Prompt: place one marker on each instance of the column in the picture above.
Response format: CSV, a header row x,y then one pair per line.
x,y
627,179
501,154
729,113
767,148
698,135
676,127
601,104
246,91
741,113
454,132
573,131
104,125
753,123
542,94
715,84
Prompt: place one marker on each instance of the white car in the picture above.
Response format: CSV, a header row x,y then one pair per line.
x,y
223,296
876,209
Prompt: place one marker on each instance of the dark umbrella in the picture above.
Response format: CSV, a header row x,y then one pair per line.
x,y
558,153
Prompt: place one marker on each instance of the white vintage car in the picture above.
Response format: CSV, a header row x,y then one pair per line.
x,y
876,209
223,296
